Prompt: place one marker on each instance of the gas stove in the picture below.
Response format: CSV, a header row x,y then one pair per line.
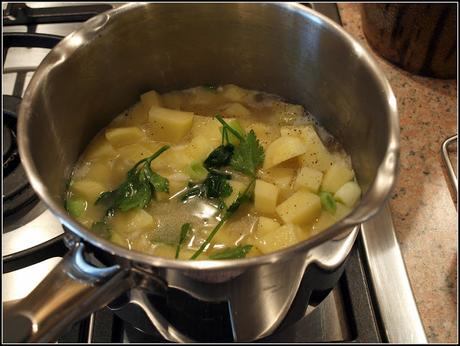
x,y
369,298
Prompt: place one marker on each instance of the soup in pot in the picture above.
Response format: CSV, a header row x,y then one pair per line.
x,y
211,173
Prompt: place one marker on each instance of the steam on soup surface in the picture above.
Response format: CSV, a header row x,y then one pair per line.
x,y
211,173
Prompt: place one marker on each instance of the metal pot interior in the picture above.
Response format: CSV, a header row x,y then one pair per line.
x,y
285,49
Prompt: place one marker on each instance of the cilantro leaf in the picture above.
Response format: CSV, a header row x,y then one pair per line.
x,y
219,157
248,156
185,229
231,253
216,186
138,188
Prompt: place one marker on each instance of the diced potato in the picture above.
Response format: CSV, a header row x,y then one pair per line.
x,y
120,240
265,197
227,237
134,152
199,148
173,100
207,127
202,96
88,189
341,211
100,149
309,178
287,113
335,177
236,110
234,93
100,172
177,182
132,220
265,225
151,99
278,239
237,187
301,208
122,136
324,221
169,125
265,133
282,149
165,250
281,177
316,156
138,219
161,196
137,115
348,194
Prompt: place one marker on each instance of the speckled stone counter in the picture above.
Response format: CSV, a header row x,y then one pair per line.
x,y
423,203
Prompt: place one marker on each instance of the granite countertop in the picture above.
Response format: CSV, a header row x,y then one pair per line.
x,y
423,203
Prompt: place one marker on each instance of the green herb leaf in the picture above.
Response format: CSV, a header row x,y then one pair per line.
x,y
76,206
246,196
216,186
248,156
185,229
137,190
219,157
231,253
102,229
159,183
328,202
231,138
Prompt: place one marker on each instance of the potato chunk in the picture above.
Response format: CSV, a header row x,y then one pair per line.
x,y
309,178
335,177
134,152
301,208
234,93
169,125
282,149
281,177
88,189
151,99
278,239
207,127
236,110
265,197
348,194
121,136
100,149
265,225
316,156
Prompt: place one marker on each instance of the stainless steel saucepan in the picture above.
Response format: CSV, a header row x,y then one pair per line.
x,y
101,69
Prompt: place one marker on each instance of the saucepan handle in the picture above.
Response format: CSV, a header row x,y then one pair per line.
x,y
70,292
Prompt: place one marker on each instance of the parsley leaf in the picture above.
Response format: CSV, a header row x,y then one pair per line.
x,y
220,156
231,253
184,231
249,155
138,188
246,196
215,186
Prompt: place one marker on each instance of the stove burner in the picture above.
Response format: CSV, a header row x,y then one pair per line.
x,y
18,196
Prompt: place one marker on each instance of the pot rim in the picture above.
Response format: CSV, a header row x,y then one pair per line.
x,y
378,191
